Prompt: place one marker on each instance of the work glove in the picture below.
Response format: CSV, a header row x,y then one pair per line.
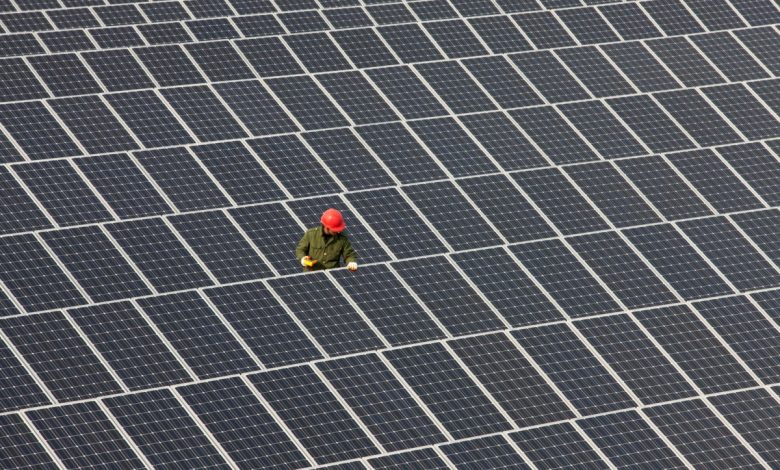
x,y
307,262
352,266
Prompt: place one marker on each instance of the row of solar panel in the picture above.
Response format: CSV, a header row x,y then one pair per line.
x,y
67,75
532,205
401,398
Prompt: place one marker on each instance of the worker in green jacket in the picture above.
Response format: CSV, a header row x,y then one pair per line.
x,y
323,247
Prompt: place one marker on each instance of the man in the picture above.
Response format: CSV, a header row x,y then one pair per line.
x,y
323,247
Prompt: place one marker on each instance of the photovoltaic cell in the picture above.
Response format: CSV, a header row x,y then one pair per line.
x,y
410,43
59,356
355,95
130,345
280,249
553,135
203,113
21,448
182,178
684,61
640,66
595,71
723,50
558,446
269,56
292,162
695,349
239,172
348,158
87,253
746,331
700,436
500,34
741,108
661,185
497,275
64,429
313,414
544,30
169,65
549,76
163,431
317,52
455,38
261,321
565,278
574,369
616,199
511,379
18,212
159,255
307,103
762,42
423,459
123,185
500,79
492,451
715,181
408,93
244,428
93,124
630,21
64,75
635,359
629,441
19,388
149,119
762,228
198,335
446,389
363,46
26,267
650,123
389,306
754,414
339,329
36,131
381,402
503,140
458,90
255,107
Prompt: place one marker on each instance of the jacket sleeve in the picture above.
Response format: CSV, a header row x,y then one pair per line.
x,y
303,247
348,252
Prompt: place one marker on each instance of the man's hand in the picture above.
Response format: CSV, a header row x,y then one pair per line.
x,y
352,266
307,262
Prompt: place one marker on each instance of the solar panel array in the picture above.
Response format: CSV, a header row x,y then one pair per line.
x,y
566,213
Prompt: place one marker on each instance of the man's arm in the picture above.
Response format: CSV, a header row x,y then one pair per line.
x,y
303,247
348,252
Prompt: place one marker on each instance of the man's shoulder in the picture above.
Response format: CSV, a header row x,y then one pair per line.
x,y
313,231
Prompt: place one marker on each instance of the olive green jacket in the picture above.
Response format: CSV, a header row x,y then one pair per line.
x,y
326,249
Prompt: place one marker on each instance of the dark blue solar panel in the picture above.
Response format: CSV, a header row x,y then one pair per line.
x,y
558,446
446,389
64,429
313,414
511,379
163,430
244,428
20,389
21,449
486,452
574,369
198,334
59,356
339,328
381,402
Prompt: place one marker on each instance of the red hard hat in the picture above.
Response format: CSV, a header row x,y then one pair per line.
x,y
333,220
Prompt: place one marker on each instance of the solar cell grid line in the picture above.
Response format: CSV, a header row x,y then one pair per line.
x,y
761,229
175,440
410,95
753,413
20,209
133,346
751,117
486,452
316,415
317,52
602,390
708,174
512,378
63,429
448,390
757,13
381,402
50,140
510,288
455,87
561,142
571,284
549,76
421,459
500,78
630,441
452,298
731,254
243,176
149,118
760,42
596,71
24,387
340,328
97,264
637,358
698,118
65,362
747,331
500,34
559,446
678,261
24,449
694,346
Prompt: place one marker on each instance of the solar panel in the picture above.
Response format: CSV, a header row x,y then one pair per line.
x,y
565,214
